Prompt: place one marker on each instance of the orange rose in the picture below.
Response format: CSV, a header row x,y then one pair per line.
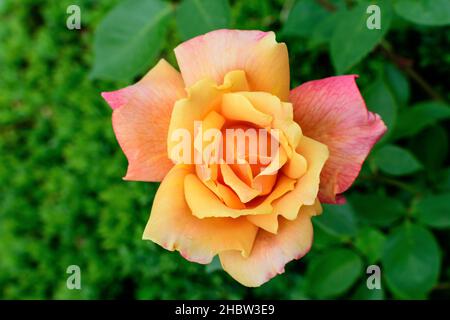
x,y
251,206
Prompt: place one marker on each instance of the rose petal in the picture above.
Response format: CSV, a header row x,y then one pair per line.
x,y
281,112
296,167
235,106
271,252
333,112
212,55
243,171
305,191
307,187
141,120
172,225
244,192
203,98
208,175
204,204
265,183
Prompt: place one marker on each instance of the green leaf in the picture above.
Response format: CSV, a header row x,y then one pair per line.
x,y
431,147
396,161
352,40
434,210
370,242
303,18
323,239
398,83
427,12
323,30
129,39
364,293
411,261
380,99
377,209
333,273
420,116
196,17
444,181
337,220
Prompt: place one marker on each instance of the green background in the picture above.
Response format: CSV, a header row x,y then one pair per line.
x,y
62,200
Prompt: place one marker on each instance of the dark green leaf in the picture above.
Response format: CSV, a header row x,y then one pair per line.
x,y
411,261
323,30
427,12
379,99
129,39
196,17
370,242
364,293
352,40
323,239
398,84
396,161
444,180
377,209
304,17
337,220
431,147
420,116
434,210
333,273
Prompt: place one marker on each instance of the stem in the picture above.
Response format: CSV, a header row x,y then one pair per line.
x,y
406,65
442,286
403,63
286,9
327,5
393,182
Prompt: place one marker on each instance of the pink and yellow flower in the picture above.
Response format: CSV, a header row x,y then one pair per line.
x,y
255,217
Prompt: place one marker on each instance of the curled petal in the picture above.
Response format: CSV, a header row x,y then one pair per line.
x,y
307,187
141,120
244,192
236,107
271,252
305,190
208,175
333,112
212,55
204,203
281,112
296,166
173,226
204,98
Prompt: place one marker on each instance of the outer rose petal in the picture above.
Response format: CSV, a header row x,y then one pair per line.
x,y
265,62
173,226
333,112
271,252
141,120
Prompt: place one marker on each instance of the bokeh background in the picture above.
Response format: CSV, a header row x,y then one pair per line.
x,y
62,199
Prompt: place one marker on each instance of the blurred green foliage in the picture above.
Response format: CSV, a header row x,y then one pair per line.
x,y
62,201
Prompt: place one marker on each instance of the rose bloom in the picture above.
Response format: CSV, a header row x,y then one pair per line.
x,y
256,217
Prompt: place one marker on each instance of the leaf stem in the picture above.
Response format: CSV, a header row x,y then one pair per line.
x,y
286,10
393,182
442,286
402,62
327,5
406,65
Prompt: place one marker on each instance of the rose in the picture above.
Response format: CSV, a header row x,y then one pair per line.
x,y
256,216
